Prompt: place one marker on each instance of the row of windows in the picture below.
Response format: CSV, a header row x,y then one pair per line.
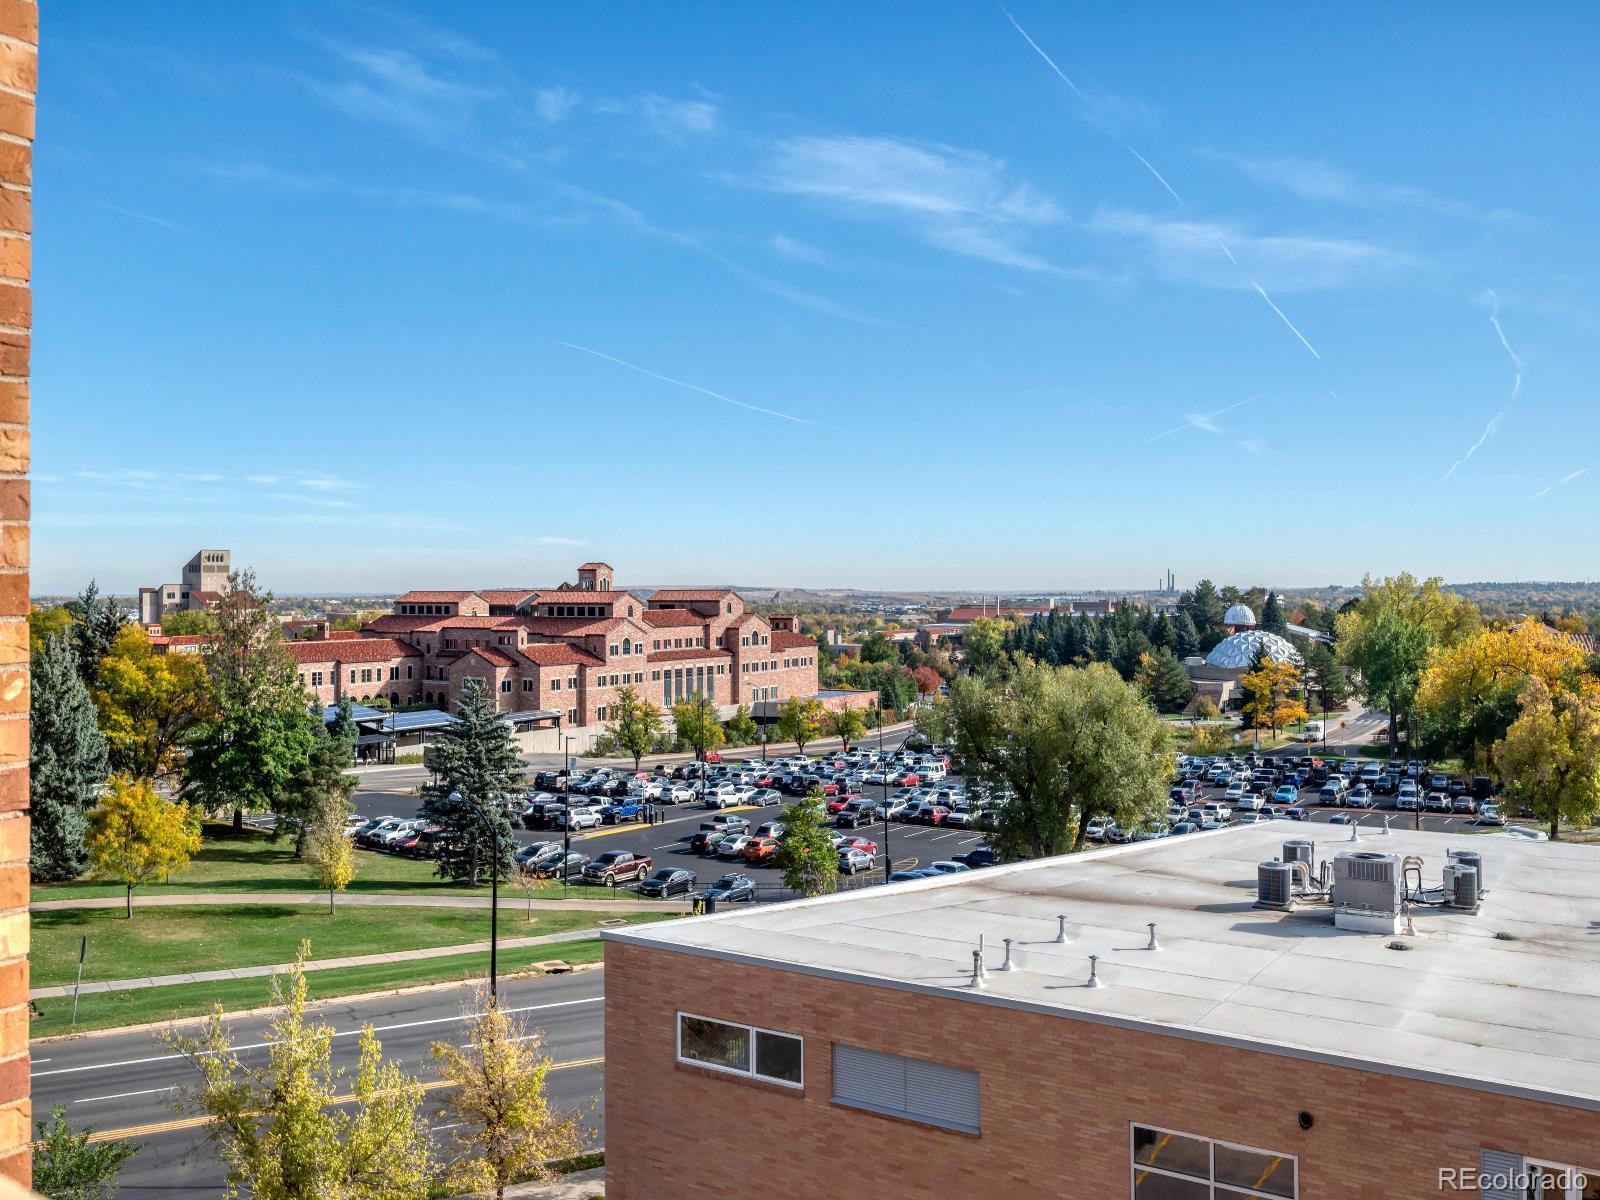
x,y
1180,1166
682,643
721,669
755,639
367,674
580,610
427,610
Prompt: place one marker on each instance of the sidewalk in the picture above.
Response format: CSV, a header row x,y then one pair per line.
x,y
320,964
508,903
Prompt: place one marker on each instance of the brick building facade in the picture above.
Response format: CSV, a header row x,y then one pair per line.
x,y
19,69
569,650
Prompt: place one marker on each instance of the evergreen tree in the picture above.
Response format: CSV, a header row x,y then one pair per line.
x,y
1185,638
1164,680
1272,618
324,783
1325,678
95,622
476,766
67,762
1205,609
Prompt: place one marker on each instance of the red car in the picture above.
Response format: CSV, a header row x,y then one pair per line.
x,y
934,815
865,845
764,780
712,756
908,779
835,805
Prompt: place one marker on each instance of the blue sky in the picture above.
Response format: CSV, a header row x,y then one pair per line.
x,y
829,294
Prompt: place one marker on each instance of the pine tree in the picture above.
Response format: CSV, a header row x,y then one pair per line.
x,y
1185,639
1272,618
66,762
476,766
95,622
1164,680
1205,609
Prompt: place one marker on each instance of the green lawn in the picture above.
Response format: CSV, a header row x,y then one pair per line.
x,y
183,938
108,1010
252,862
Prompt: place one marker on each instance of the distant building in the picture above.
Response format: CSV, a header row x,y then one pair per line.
x,y
205,581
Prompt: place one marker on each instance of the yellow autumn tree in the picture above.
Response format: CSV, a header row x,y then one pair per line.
x,y
1468,695
1550,757
1271,694
148,702
137,836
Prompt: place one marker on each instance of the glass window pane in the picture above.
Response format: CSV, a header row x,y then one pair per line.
x,y
1590,1189
1172,1152
1269,1173
778,1057
1147,1185
714,1043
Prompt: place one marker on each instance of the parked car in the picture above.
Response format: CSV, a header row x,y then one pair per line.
x,y
727,822
533,853
980,856
852,861
732,887
1360,797
578,818
620,811
668,881
1286,793
1294,814
1464,805
760,849
1481,788
1436,802
948,867
562,866
1490,815
732,845
617,866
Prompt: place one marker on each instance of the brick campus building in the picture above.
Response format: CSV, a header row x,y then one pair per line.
x,y
1230,1051
568,650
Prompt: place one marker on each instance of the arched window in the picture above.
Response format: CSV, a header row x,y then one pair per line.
x,y
627,646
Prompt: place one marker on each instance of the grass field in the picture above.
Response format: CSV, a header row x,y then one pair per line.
x,y
109,1010
181,938
252,862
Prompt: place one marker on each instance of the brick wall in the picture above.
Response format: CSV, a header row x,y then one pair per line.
x,y
1056,1099
19,65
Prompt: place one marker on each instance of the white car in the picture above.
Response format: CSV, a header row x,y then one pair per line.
x,y
680,793
1252,818
652,789
733,846
579,818
1097,828
1236,792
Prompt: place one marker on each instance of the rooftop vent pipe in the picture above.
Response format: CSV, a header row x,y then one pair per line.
x,y
1154,945
1094,971
1061,930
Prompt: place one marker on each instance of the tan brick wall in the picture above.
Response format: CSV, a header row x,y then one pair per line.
x,y
1056,1100
19,70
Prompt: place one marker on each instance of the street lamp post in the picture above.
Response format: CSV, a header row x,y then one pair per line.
x,y
566,810
494,899
883,774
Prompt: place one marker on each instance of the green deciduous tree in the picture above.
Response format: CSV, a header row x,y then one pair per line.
x,y
501,1123
248,752
742,727
1550,757
43,623
189,622
695,724
296,1128
635,723
1058,746
801,720
66,763
877,648
983,645
69,1166
137,836
476,767
846,724
806,855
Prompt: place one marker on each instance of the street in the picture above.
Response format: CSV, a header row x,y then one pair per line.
x,y
124,1084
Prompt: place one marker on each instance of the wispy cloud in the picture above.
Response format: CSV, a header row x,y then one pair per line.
x,y
1564,480
1206,422
1493,301
555,539
554,103
797,251
1489,430
1186,251
148,218
694,387
957,200
1253,446
395,87
1319,181
670,116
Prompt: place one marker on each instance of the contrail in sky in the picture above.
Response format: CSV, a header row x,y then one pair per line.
x,y
1161,179
694,387
1206,421
1564,480
1489,431
1285,319
1516,390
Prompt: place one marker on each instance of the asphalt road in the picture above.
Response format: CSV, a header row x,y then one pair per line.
x,y
125,1084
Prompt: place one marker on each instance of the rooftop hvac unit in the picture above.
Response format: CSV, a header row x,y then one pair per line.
x,y
1471,858
1275,885
1461,887
1300,850
1366,892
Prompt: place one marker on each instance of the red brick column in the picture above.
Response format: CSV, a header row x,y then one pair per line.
x,y
19,77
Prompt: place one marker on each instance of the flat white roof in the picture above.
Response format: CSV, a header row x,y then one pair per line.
x,y
1518,1015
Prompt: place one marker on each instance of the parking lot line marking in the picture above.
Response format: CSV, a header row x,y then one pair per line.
x,y
669,845
599,833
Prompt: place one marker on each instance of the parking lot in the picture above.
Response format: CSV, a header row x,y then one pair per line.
x,y
665,838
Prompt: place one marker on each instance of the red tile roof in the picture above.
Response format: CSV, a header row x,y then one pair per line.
x,y
351,651
511,596
498,657
672,655
570,626
179,639
390,623
691,594
344,635
557,654
591,566
434,597
782,639
664,618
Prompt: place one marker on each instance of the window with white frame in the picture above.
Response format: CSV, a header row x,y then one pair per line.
x,y
1180,1166
741,1049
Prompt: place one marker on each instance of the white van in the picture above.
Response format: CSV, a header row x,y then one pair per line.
x,y
1312,732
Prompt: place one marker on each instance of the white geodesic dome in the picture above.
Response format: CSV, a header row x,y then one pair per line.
x,y
1239,614
1239,651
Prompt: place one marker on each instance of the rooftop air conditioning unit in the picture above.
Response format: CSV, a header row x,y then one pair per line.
x,y
1300,850
1366,892
1275,885
1460,887
1471,858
